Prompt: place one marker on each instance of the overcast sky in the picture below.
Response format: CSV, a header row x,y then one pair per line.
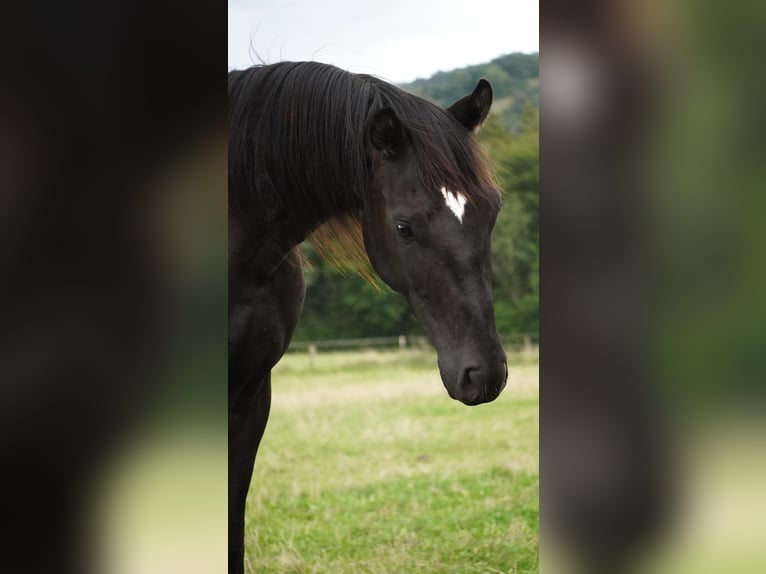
x,y
398,40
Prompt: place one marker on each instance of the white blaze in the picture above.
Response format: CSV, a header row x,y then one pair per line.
x,y
455,201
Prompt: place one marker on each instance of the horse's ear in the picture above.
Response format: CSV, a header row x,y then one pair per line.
x,y
473,109
385,132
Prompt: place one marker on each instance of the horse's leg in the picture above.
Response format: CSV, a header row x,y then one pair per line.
x,y
246,426
262,317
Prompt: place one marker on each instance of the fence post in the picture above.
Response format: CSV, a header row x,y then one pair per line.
x,y
402,341
312,355
528,351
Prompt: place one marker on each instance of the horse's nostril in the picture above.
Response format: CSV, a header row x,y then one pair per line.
x,y
471,387
477,385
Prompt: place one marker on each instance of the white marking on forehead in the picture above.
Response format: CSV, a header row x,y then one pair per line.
x,y
455,200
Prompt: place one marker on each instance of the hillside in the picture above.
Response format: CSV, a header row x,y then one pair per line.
x,y
515,79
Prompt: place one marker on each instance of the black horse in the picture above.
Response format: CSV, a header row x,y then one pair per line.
x,y
311,145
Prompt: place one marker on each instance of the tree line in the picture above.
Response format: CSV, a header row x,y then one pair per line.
x,y
515,80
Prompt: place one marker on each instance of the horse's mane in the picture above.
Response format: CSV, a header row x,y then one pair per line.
x,y
296,137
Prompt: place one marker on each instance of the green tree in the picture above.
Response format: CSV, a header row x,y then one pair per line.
x,y
342,305
515,242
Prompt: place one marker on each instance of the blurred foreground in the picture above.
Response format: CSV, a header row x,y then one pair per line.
x,y
113,288
653,321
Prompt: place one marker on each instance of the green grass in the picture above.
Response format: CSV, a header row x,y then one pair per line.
x,y
368,466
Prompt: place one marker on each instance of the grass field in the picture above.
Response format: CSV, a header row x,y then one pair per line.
x,y
368,466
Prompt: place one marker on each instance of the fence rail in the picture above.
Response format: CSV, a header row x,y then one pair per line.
x,y
400,341
523,342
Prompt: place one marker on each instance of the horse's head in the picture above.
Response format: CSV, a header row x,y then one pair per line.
x,y
428,217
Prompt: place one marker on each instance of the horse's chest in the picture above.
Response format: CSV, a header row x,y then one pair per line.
x,y
263,314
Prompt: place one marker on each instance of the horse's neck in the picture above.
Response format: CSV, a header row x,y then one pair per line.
x,y
306,205
255,249
267,235
303,168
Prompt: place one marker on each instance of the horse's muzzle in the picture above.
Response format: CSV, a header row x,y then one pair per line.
x,y
478,385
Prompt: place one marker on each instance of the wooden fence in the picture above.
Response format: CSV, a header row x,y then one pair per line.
x,y
525,343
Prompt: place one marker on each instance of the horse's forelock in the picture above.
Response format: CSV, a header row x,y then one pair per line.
x,y
447,154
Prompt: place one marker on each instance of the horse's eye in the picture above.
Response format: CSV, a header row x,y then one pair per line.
x,y
404,231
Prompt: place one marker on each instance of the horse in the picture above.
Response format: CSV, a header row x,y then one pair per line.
x,y
394,180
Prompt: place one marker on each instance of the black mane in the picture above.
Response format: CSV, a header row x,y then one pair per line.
x,y
297,144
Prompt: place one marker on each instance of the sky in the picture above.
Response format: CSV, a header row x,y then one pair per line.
x,y
397,40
